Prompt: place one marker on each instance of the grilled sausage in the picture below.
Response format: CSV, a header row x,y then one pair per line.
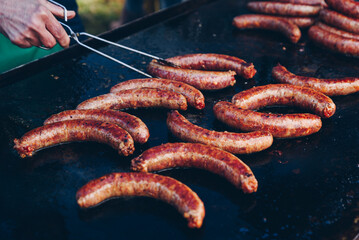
x,y
302,22
215,62
306,2
339,20
285,94
285,9
337,31
347,7
279,125
75,130
334,42
134,98
197,155
286,27
203,80
237,143
151,185
330,87
194,97
133,125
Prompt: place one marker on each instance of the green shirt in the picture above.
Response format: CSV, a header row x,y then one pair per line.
x,y
12,56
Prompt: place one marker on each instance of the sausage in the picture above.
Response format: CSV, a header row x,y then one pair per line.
x,y
197,155
285,94
215,62
203,80
75,130
134,98
279,125
125,184
339,20
286,27
330,87
285,9
133,125
306,2
347,7
302,22
337,31
237,143
334,42
194,97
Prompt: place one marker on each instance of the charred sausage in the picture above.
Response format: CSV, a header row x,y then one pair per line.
x,y
306,2
215,62
237,143
194,97
339,20
134,98
273,23
285,9
333,41
133,125
330,87
151,185
279,125
302,22
203,80
75,130
347,7
197,155
337,31
285,94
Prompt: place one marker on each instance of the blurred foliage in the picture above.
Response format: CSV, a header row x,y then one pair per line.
x,y
97,15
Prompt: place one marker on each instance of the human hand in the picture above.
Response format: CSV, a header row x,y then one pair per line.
x,y
32,23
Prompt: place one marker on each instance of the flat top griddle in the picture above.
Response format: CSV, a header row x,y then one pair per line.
x,y
308,187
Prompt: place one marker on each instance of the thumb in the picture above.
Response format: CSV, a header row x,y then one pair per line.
x,y
59,11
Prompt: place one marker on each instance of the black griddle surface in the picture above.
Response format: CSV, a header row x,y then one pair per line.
x,y
308,187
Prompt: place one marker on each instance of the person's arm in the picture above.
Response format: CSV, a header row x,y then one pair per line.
x,y
32,23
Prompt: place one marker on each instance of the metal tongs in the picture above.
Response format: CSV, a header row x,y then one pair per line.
x,y
75,35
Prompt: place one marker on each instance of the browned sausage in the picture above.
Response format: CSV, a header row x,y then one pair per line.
x,y
134,98
302,22
151,185
279,125
334,42
285,9
285,94
75,130
286,27
133,125
330,87
194,97
203,80
305,2
347,7
237,143
197,155
215,62
337,31
339,20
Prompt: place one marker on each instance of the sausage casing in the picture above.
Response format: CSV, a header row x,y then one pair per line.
x,y
337,31
273,23
203,80
133,125
75,130
339,20
285,9
279,125
237,143
215,62
306,2
151,185
330,87
194,97
197,155
134,98
285,94
347,7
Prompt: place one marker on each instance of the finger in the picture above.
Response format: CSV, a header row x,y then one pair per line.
x,y
59,33
59,11
46,39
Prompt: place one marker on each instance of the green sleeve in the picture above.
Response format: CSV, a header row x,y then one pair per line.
x,y
12,55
